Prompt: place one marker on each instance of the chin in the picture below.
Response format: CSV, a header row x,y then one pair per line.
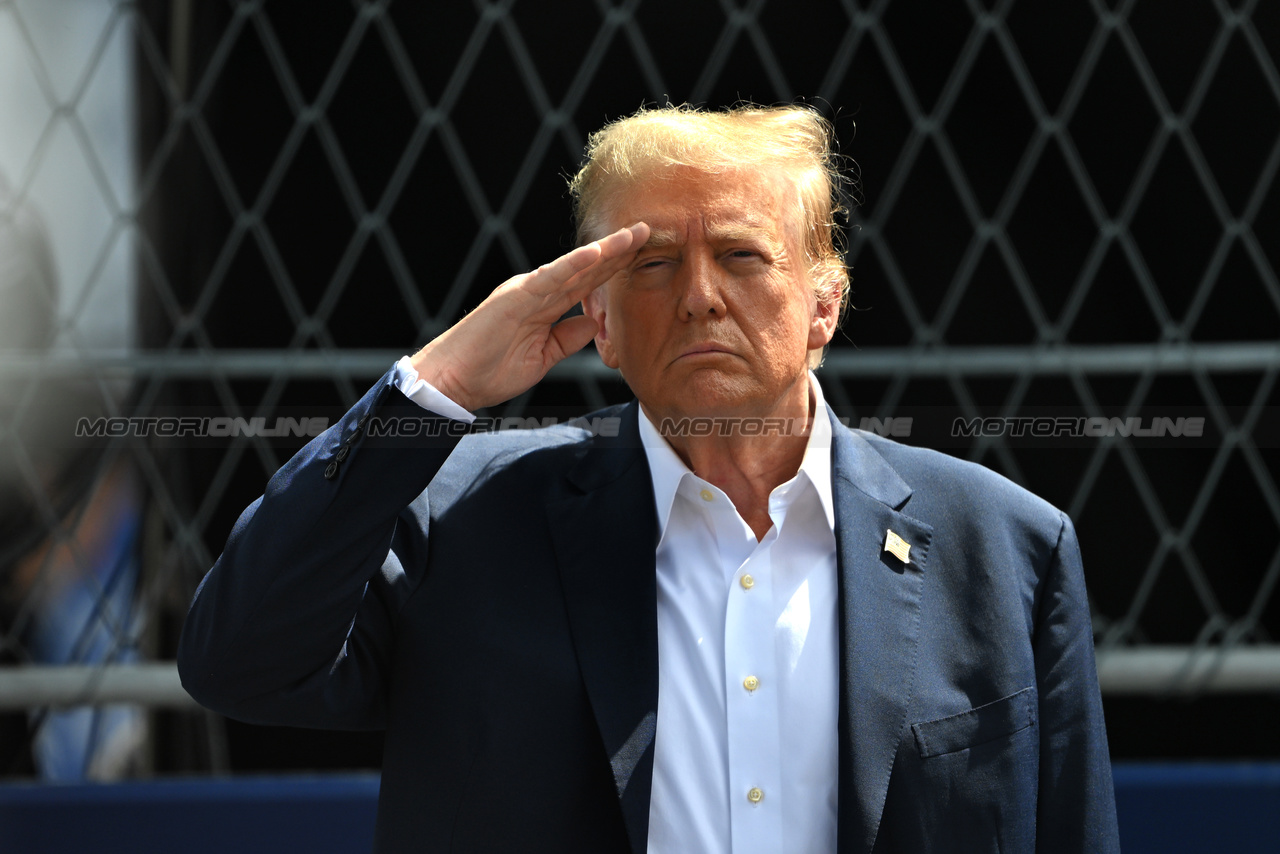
x,y
707,394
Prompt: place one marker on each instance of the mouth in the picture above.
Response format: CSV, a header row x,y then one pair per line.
x,y
705,350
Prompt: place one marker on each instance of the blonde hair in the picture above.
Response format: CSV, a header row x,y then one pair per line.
x,y
796,138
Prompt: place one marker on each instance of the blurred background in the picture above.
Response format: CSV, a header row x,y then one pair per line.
x,y
242,210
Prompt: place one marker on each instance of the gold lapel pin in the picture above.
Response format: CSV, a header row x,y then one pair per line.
x,y
897,546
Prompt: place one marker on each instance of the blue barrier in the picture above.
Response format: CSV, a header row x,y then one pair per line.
x,y
1164,809
1197,808
243,815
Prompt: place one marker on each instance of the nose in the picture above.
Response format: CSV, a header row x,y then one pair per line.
x,y
700,288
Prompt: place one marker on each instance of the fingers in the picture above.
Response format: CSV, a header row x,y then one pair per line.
x,y
564,268
616,252
587,267
623,240
569,336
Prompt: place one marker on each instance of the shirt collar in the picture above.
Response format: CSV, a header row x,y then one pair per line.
x,y
668,470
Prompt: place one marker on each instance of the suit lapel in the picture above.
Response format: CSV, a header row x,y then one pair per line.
x,y
605,534
880,627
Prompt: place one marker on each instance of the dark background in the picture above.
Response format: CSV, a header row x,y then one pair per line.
x,y
1032,175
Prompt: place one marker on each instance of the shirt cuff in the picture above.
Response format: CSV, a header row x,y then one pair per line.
x,y
425,394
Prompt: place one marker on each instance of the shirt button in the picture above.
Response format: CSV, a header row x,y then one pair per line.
x,y
755,794
707,495
747,581
751,683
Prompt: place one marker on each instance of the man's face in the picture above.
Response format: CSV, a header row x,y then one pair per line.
x,y
716,315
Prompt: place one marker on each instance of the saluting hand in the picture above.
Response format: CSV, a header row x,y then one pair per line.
x,y
510,341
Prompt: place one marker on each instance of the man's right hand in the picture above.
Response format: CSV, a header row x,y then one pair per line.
x,y
510,341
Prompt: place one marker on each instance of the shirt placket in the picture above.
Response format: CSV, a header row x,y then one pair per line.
x,y
752,706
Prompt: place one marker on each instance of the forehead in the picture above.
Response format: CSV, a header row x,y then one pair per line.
x,y
727,203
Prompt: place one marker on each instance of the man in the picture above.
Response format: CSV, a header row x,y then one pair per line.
x,y
729,625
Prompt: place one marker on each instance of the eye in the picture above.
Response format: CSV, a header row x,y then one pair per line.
x,y
650,263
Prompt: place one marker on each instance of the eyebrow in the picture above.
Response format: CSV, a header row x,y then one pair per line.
x,y
661,238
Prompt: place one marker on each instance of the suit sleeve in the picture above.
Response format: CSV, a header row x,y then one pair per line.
x,y
294,623
1076,803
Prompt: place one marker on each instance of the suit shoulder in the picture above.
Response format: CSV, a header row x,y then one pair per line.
x,y
939,478
523,446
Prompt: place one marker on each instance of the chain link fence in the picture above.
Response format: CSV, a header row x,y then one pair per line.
x,y
1064,264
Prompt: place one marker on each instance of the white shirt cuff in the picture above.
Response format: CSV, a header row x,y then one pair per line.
x,y
425,394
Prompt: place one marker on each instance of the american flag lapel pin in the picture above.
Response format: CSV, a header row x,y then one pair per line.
x,y
897,546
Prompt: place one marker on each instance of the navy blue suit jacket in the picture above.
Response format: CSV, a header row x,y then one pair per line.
x,y
500,623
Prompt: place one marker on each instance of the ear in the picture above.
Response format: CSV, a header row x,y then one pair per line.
x,y
594,305
826,317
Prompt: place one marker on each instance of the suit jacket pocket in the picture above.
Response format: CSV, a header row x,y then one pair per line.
x,y
989,722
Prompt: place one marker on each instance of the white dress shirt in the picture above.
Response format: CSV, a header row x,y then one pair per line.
x,y
748,662
425,394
